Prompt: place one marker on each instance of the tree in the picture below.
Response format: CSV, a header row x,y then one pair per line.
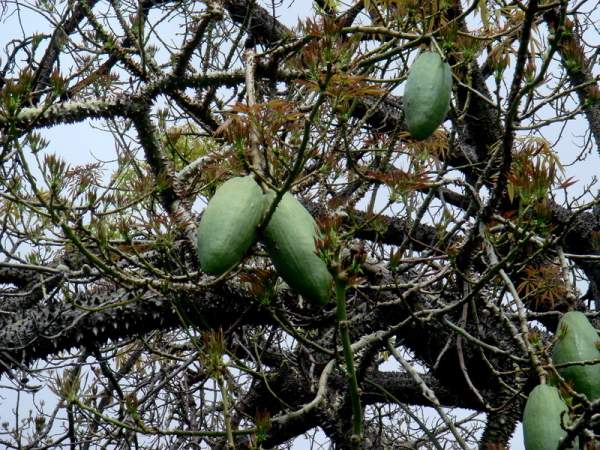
x,y
454,257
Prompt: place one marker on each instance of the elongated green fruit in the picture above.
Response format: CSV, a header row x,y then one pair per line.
x,y
228,225
542,418
290,240
427,94
577,341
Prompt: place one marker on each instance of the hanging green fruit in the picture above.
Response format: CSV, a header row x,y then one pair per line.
x,y
542,417
576,341
290,241
228,225
427,94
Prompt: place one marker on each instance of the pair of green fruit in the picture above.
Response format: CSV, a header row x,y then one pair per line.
x,y
577,341
427,94
228,228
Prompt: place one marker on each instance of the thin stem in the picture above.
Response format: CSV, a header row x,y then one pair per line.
x,y
256,159
226,412
340,295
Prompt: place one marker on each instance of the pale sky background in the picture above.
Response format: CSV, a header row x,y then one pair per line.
x,y
82,143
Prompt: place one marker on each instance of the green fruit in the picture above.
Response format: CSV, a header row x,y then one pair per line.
x,y
577,341
228,225
290,241
542,418
427,94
